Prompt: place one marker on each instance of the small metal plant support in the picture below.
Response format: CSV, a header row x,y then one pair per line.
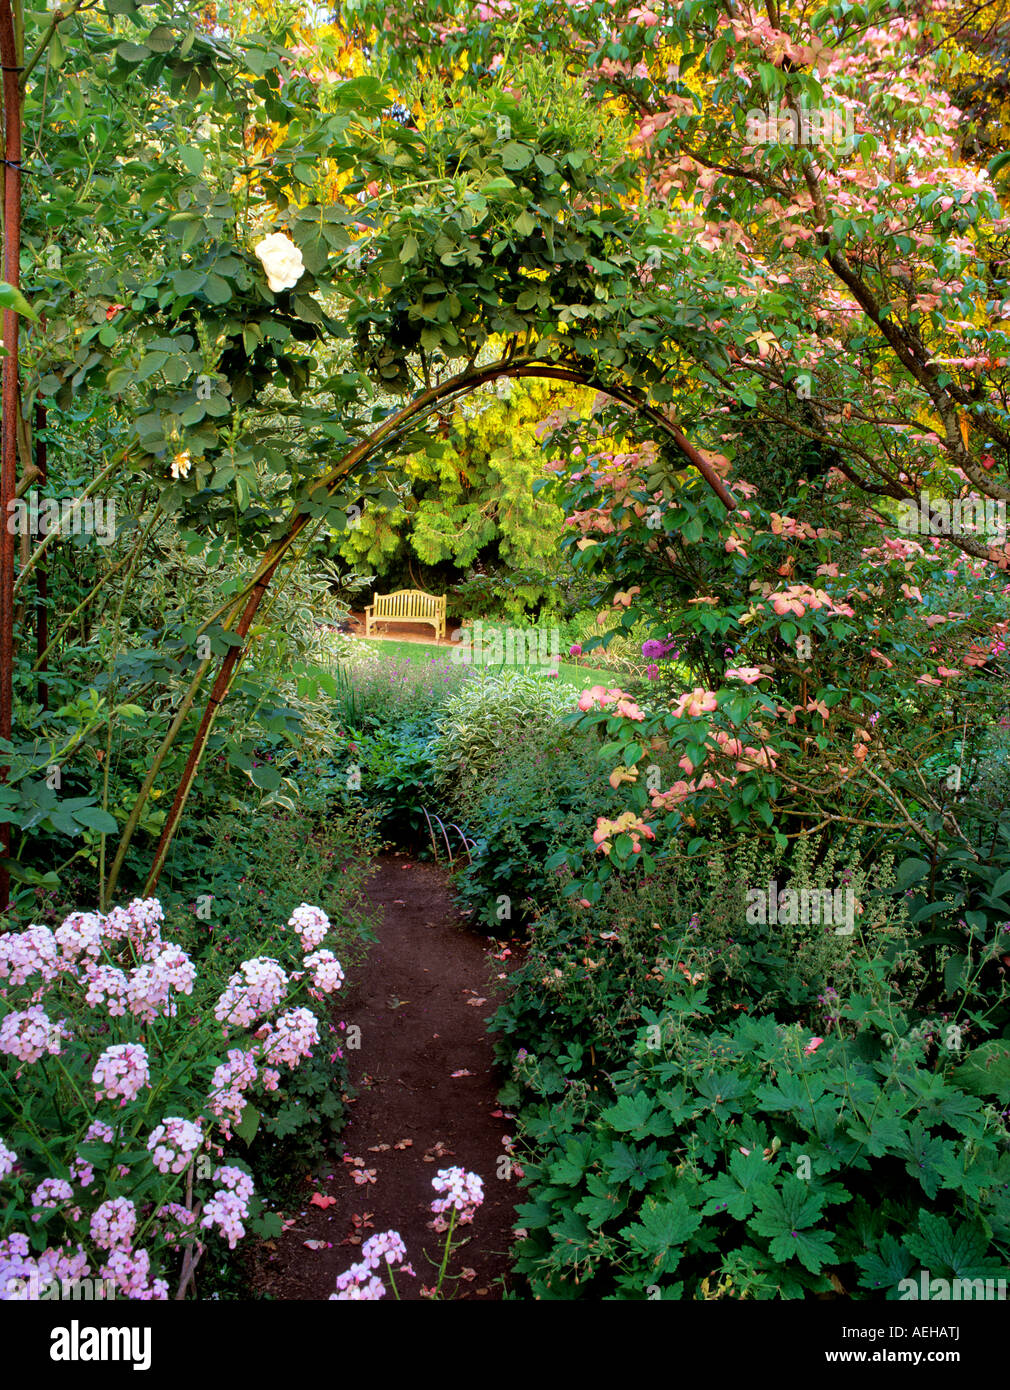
x,y
468,845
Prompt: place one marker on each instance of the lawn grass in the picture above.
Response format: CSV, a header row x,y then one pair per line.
x,y
577,676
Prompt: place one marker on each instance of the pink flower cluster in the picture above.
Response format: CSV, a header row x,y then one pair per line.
x,y
237,1180
72,951
139,924
173,1144
311,924
30,1033
82,1171
80,934
57,1262
131,1270
599,695
229,1206
360,1283
52,1192
627,823
256,989
122,1070
113,1224
464,1192
174,1211
8,1158
327,973
696,702
119,962
107,985
384,1245
149,988
30,952
229,1083
295,1035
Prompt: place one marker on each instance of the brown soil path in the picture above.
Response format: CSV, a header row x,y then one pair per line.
x,y
423,1074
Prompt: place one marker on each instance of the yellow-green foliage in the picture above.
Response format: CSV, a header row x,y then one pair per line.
x,y
474,487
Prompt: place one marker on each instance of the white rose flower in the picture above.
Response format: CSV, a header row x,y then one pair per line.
x,y
282,261
181,464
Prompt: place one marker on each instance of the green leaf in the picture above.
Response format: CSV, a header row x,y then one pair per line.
x,y
662,1231
161,39
884,1268
637,1167
57,53
268,1225
97,819
217,289
188,281
952,1252
248,1124
498,188
986,1070
926,1154
602,1204
24,873
515,155
733,1192
192,159
265,777
637,1114
568,1170
573,1236
909,871
786,1217
11,298
132,52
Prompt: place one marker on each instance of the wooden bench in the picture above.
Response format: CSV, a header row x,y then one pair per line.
x,y
407,606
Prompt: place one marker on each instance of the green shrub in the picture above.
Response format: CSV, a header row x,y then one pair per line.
x,y
759,1163
678,1104
519,815
395,770
481,723
231,884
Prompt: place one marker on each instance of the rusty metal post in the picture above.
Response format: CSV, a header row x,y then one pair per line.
x,y
9,63
42,576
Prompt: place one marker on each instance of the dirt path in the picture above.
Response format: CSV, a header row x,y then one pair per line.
x,y
423,1074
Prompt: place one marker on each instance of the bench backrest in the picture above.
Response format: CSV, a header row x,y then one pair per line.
x,y
407,603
